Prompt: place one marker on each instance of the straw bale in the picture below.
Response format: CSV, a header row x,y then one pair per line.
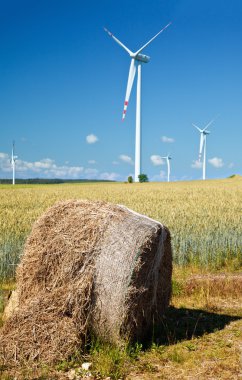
x,y
88,267
11,306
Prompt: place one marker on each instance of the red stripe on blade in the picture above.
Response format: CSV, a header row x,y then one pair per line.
x,y
126,103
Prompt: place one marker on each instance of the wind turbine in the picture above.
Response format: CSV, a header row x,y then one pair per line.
x,y
168,158
136,61
12,161
203,145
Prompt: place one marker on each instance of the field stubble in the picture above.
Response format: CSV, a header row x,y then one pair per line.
x,y
198,337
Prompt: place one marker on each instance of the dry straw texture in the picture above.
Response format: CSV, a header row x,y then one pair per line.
x,y
87,267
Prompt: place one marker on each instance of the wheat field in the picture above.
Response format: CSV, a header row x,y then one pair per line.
x,y
204,217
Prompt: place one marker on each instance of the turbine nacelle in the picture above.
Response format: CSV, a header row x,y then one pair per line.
x,y
202,148
13,159
202,131
167,157
140,57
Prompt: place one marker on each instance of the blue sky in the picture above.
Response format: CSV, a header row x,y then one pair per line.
x,y
63,82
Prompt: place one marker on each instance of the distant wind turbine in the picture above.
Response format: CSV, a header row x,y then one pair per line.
x,y
12,161
168,158
203,144
136,60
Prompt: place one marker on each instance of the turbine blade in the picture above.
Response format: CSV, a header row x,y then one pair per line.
x,y
132,71
12,152
201,146
147,43
211,121
118,42
168,168
197,127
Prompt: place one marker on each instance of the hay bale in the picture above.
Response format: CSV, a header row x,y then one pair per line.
x,y
12,305
87,267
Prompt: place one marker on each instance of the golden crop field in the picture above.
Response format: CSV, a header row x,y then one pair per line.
x,y
204,217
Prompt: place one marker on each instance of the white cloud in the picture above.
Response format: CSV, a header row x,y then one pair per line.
x,y
4,156
46,163
196,164
91,139
162,176
184,178
91,171
70,172
156,160
126,159
37,166
166,139
216,162
115,163
51,170
109,176
47,168
92,162
5,164
44,168
231,165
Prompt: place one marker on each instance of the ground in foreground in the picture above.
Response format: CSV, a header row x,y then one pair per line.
x,y
199,337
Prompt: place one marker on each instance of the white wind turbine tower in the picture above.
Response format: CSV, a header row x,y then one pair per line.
x,y
168,158
203,145
136,61
12,161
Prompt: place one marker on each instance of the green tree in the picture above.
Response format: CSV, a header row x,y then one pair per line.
x,y
130,179
143,178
